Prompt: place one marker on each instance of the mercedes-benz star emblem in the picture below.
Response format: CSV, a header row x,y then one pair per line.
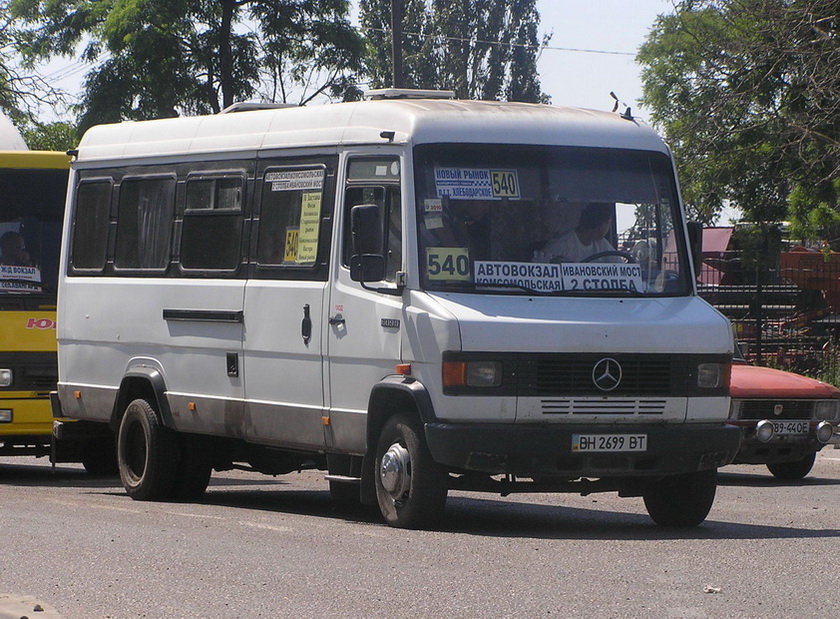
x,y
606,374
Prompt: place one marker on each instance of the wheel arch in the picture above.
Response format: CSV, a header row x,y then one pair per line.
x,y
395,394
146,383
392,395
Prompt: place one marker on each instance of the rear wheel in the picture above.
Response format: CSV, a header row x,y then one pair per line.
x,y
147,453
791,471
410,486
682,500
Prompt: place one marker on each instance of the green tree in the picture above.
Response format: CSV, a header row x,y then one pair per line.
x,y
748,94
155,58
50,136
481,49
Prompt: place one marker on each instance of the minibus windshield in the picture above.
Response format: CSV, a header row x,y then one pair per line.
x,y
549,220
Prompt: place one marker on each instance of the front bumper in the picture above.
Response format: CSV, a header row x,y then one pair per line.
x,y
30,413
545,450
784,448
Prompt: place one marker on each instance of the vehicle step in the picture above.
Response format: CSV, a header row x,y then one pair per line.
x,y
345,479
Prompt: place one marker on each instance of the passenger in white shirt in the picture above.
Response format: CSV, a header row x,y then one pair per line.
x,y
585,240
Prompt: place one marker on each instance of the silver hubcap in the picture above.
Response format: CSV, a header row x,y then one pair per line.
x,y
395,471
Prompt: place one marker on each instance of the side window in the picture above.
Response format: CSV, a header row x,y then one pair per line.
x,y
376,181
90,225
144,226
211,237
290,217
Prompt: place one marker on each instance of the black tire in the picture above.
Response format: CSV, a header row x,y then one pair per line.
x,y
195,465
791,471
100,457
682,500
410,486
147,453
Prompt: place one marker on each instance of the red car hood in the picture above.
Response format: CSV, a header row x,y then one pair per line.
x,y
750,381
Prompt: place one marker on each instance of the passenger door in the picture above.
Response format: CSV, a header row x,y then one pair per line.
x,y
284,300
363,340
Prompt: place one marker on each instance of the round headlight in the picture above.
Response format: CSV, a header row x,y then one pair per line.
x,y
764,430
824,432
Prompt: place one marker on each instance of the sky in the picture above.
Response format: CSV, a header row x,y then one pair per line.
x,y
611,31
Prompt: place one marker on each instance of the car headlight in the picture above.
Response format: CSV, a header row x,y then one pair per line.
x,y
472,373
827,409
713,375
5,377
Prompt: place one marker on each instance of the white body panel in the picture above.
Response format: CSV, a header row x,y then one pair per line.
x,y
283,373
114,325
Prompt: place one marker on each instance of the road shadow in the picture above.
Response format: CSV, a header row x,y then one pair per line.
x,y
490,517
60,476
485,517
464,514
759,480
75,476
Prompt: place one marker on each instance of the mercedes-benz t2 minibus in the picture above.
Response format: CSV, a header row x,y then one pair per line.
x,y
414,294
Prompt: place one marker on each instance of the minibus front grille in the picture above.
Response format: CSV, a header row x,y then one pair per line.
x,y
572,375
766,409
638,376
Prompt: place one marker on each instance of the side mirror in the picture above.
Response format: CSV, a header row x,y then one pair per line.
x,y
367,264
695,244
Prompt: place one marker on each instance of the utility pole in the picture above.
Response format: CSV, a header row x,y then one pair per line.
x,y
396,43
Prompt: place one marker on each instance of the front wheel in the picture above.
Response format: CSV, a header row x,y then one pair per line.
x,y
410,486
682,500
147,453
792,471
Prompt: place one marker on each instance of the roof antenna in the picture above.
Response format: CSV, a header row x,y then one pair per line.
x,y
626,114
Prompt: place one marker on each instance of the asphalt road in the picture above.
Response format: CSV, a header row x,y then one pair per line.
x,y
259,546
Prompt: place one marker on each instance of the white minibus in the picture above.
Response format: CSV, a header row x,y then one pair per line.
x,y
412,293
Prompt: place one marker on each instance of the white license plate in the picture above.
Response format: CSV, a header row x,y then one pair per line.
x,y
609,442
790,427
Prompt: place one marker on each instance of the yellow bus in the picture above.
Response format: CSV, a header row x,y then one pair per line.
x,y
33,187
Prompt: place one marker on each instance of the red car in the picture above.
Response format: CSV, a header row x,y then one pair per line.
x,y
785,418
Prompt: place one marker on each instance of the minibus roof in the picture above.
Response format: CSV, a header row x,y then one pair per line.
x,y
401,121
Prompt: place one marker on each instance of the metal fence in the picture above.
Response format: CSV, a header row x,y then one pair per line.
x,y
787,316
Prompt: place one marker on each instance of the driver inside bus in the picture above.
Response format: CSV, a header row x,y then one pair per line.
x,y
586,240
13,250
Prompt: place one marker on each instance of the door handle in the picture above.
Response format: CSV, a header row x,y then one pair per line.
x,y
306,325
336,320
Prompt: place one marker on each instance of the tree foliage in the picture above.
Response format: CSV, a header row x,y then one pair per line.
x,y
50,136
154,58
748,94
481,49
22,91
